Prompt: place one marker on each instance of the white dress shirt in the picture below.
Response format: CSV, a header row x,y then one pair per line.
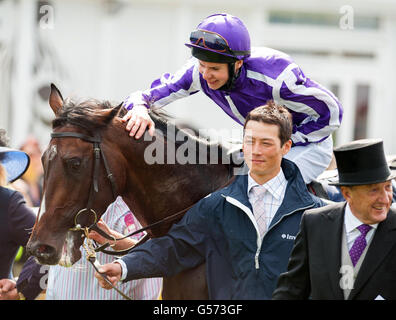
x,y
351,223
273,198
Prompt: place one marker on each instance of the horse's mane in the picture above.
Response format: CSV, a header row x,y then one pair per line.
x,y
163,123
85,114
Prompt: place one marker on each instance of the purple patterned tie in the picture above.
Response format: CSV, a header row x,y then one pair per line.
x,y
360,243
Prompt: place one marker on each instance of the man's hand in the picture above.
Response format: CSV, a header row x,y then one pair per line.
x,y
8,290
138,120
97,237
116,245
113,272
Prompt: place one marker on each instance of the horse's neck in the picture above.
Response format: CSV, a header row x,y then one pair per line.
x,y
163,190
154,191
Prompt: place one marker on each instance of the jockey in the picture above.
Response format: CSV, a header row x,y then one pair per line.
x,y
239,79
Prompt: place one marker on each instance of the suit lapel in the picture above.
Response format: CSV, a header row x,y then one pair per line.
x,y
332,247
383,241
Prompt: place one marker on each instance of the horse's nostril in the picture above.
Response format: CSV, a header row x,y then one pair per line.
x,y
44,249
43,252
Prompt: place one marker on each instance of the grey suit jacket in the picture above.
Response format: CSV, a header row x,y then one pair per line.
x,y
315,262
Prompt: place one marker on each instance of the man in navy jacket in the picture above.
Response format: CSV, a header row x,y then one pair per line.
x,y
244,254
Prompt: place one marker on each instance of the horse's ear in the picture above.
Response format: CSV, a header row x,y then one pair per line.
x,y
106,115
114,112
118,109
55,99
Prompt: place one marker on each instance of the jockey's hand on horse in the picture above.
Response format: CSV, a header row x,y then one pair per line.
x,y
138,120
113,272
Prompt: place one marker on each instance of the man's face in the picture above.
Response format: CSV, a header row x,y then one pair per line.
x,y
369,203
262,150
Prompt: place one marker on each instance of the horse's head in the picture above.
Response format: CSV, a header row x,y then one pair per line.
x,y
76,190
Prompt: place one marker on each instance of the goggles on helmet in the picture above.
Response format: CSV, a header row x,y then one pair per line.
x,y
213,41
210,40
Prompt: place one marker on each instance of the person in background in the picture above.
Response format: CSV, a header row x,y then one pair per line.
x,y
78,282
16,220
347,250
34,174
238,79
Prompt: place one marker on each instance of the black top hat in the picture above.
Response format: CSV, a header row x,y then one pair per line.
x,y
362,162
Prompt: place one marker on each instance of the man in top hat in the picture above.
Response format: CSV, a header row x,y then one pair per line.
x,y
348,250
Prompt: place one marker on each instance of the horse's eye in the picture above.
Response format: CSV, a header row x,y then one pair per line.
x,y
74,164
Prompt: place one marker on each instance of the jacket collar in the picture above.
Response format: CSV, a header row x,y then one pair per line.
x,y
296,190
332,253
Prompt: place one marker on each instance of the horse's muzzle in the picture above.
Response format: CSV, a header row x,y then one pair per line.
x,y
45,254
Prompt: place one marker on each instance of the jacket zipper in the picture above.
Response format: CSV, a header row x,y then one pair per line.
x,y
253,220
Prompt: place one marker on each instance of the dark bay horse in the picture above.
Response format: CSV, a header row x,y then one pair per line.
x,y
145,172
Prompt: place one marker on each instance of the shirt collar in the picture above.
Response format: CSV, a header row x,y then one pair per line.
x,y
351,221
274,186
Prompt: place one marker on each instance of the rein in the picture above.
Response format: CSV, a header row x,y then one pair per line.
x,y
144,239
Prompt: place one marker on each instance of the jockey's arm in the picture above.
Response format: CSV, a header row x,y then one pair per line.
x,y
163,91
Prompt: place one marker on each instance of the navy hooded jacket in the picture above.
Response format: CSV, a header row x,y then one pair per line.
x,y
221,231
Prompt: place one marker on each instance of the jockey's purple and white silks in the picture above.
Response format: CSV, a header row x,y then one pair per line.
x,y
266,74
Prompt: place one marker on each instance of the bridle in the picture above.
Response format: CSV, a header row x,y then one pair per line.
x,y
91,251
98,154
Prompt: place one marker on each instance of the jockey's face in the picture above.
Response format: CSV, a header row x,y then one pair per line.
x,y
216,74
262,150
369,203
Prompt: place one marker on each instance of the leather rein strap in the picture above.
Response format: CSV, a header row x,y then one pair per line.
x,y
144,239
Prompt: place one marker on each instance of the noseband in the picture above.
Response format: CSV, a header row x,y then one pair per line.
x,y
98,154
